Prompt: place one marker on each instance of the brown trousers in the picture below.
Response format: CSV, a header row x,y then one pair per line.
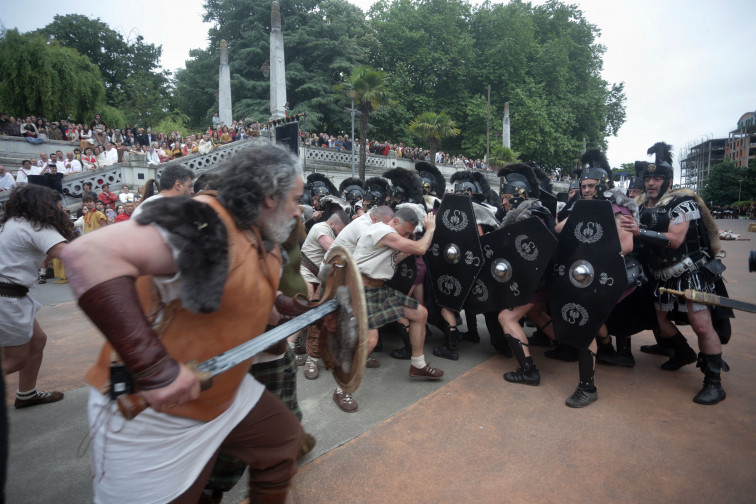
x,y
266,440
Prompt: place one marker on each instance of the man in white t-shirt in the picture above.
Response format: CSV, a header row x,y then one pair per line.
x,y
319,239
7,182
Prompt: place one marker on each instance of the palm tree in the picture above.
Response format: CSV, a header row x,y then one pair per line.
x,y
433,127
369,90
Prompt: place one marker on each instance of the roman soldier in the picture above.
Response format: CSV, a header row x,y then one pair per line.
x,y
682,251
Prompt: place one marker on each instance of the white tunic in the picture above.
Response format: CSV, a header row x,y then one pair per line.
x,y
312,249
374,261
349,236
22,250
156,457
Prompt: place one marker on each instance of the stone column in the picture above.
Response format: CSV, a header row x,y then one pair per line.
x,y
505,128
224,87
277,66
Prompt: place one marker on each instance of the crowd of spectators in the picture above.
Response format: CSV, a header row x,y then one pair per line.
x,y
344,143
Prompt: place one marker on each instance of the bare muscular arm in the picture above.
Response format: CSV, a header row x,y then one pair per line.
x,y
410,247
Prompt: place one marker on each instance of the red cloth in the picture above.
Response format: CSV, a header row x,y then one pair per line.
x,y
108,199
122,217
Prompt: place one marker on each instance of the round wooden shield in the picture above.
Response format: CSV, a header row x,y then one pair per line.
x,y
347,371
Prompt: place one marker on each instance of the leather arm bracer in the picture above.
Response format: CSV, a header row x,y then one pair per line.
x,y
114,308
653,238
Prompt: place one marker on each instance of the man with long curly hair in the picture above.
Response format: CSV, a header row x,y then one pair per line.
x,y
33,227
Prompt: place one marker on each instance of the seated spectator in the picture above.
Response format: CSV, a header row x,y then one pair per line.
x,y
28,128
89,160
163,152
176,151
42,133
85,137
4,122
152,156
189,148
215,139
54,132
27,168
226,136
86,188
205,145
7,182
13,127
107,197
71,165
128,209
98,128
126,195
111,154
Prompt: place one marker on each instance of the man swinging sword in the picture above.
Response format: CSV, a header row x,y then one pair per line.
x,y
212,268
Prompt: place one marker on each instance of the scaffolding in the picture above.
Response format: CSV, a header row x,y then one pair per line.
x,y
696,162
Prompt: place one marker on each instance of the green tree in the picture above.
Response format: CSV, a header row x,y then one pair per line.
x,y
130,68
47,79
370,92
323,39
723,184
433,127
501,156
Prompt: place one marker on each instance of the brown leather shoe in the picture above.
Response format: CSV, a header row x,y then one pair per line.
x,y
40,398
344,401
311,370
372,362
426,372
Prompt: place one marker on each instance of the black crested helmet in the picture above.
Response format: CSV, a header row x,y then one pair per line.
x,y
596,167
352,190
376,191
406,186
519,180
471,183
662,167
432,180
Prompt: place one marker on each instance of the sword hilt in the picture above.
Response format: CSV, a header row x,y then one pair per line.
x,y
130,405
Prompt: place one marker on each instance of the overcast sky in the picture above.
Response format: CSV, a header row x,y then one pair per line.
x,y
687,65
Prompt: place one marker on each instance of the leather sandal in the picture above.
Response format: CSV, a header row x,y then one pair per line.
x,y
344,401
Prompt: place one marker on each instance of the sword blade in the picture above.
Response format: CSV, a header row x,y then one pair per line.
x,y
711,299
239,354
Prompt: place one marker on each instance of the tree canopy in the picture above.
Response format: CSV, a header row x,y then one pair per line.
x,y
47,79
726,183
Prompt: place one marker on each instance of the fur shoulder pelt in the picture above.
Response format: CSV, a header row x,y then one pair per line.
x,y
485,215
320,177
424,166
522,212
619,198
407,180
195,231
349,182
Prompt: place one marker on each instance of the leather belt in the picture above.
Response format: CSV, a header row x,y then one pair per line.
x,y
307,263
9,289
678,269
372,282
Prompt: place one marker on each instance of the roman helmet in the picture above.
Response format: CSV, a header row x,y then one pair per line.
x,y
519,180
351,189
662,167
319,186
637,181
596,167
473,184
377,191
433,181
406,186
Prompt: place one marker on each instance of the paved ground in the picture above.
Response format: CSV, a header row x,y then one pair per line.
x,y
469,438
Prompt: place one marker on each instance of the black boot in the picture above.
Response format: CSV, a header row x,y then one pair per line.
x,y
658,348
562,352
539,338
404,353
527,373
451,337
607,355
683,354
625,352
472,328
585,393
712,391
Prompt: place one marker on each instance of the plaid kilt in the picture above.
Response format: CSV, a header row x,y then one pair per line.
x,y
385,305
280,378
